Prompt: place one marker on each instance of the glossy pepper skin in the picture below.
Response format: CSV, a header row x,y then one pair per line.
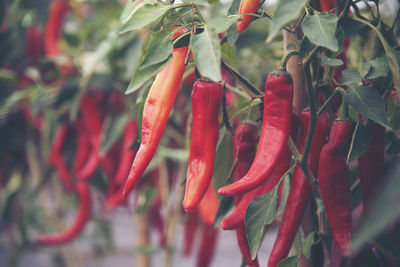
x,y
334,182
206,102
246,6
81,218
208,206
372,165
157,107
57,11
300,190
275,132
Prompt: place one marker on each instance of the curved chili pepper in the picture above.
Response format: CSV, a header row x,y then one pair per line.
x,y
372,165
244,247
33,42
236,218
274,134
207,246
82,146
56,158
190,228
246,6
334,182
208,206
157,107
81,218
327,5
57,11
92,122
300,190
206,102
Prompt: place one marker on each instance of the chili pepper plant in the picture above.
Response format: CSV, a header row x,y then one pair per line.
x,y
279,119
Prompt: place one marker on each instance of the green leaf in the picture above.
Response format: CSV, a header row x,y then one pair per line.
x,y
384,211
144,15
159,48
225,206
259,215
221,24
232,34
387,246
308,242
378,67
129,9
234,8
179,155
207,54
197,2
368,102
359,143
289,262
320,28
112,131
350,76
333,62
286,11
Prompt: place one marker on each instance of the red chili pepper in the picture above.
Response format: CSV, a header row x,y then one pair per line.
x,y
274,134
246,6
33,43
57,11
244,247
82,146
207,246
206,102
157,221
334,181
300,190
92,121
372,165
81,218
157,107
208,206
190,228
56,158
236,218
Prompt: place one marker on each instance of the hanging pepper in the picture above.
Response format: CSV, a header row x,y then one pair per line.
x,y
300,190
244,247
246,6
206,102
82,146
208,206
157,107
81,218
190,228
207,246
274,134
33,43
334,181
372,165
92,121
57,11
56,158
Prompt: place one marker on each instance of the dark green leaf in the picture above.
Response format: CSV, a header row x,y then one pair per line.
x,y
141,76
112,131
225,206
286,11
359,143
320,28
384,211
350,76
259,215
221,24
387,246
159,48
234,8
305,47
207,54
368,102
378,67
289,262
333,62
232,35
308,242
144,15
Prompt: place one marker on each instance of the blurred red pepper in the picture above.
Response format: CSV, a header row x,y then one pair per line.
x,y
57,11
